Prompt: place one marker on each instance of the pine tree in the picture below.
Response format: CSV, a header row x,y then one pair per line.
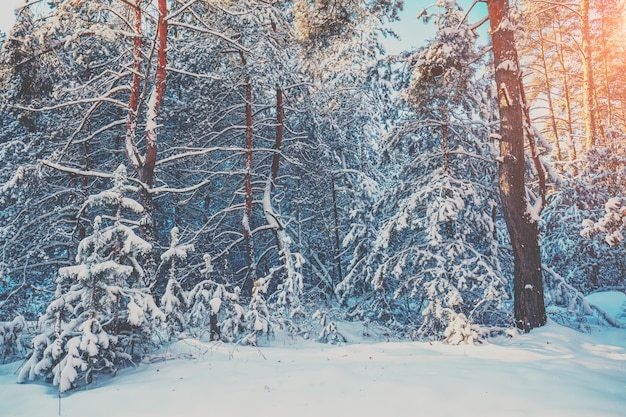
x,y
174,300
435,261
102,316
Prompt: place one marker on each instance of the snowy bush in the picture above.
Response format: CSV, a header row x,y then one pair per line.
x,y
461,331
174,300
211,305
612,226
572,239
329,333
257,318
11,344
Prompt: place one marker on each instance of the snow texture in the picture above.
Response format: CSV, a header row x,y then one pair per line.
x,y
551,372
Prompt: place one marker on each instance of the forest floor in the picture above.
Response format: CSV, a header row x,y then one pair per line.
x,y
552,371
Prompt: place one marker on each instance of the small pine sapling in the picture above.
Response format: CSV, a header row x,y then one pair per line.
x,y
10,338
257,318
329,333
211,304
174,299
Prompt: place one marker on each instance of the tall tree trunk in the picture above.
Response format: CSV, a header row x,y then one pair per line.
x,y
588,81
280,124
529,308
132,153
247,211
147,171
445,145
144,165
606,64
271,216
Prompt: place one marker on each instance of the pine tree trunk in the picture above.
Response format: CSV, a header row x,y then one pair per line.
x,y
133,103
144,165
529,308
147,169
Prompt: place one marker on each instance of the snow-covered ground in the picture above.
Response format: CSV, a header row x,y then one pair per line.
x,y
552,371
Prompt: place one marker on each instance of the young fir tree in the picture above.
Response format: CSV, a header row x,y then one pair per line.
x,y
212,305
434,264
101,316
173,302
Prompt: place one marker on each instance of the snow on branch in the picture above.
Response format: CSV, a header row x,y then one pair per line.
x,y
611,226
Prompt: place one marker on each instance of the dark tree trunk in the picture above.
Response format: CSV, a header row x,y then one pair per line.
x,y
336,230
529,308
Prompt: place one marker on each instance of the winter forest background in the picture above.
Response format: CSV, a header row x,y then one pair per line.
x,y
225,169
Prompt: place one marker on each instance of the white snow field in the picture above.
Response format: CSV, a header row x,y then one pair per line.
x,y
552,371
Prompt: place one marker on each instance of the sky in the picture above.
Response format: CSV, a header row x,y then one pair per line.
x,y
412,32
7,17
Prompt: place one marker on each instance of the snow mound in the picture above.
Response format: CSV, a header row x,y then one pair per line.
x,y
613,303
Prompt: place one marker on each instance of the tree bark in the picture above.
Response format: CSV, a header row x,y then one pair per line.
x,y
529,308
147,171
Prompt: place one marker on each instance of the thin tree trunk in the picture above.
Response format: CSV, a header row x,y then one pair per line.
x,y
133,104
280,124
271,216
529,308
445,145
588,81
147,171
247,212
566,93
548,92
605,60
336,229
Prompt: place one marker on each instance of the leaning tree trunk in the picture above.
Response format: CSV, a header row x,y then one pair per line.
x,y
529,308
